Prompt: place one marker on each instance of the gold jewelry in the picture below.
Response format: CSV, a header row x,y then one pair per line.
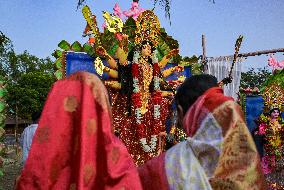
x,y
106,69
147,73
148,28
273,96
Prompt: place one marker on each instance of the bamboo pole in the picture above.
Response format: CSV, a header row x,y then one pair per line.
x,y
203,49
204,60
256,53
261,52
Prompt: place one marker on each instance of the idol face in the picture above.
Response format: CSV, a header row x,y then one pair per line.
x,y
275,114
146,50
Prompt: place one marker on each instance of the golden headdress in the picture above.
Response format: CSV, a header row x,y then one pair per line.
x,y
148,28
273,97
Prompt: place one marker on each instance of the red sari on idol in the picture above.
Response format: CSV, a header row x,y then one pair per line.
x,y
219,153
74,146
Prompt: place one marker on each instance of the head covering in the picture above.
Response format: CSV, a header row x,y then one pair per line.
x,y
218,154
197,112
74,146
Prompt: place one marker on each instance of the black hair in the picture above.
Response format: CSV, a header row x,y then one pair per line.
x,y
270,112
36,116
192,88
139,49
147,42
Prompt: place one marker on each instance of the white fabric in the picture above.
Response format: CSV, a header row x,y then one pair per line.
x,y
220,68
27,137
190,164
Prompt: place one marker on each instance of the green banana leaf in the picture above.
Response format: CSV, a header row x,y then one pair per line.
x,y
88,49
64,45
57,53
58,74
76,46
58,63
2,107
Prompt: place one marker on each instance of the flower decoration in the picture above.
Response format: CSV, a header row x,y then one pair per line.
x,y
134,11
113,23
273,96
137,101
99,66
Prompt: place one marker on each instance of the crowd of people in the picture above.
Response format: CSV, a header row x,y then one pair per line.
x,y
74,146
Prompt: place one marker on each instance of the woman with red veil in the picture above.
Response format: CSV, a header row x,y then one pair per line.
x,y
74,146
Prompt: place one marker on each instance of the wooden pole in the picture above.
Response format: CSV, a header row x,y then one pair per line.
x,y
261,52
204,53
203,49
256,53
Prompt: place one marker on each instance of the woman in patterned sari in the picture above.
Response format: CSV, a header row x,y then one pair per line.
x,y
219,152
74,146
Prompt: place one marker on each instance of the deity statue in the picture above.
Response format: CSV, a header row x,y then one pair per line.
x,y
271,128
140,102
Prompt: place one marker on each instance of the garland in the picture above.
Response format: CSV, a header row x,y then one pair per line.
x,y
274,144
137,102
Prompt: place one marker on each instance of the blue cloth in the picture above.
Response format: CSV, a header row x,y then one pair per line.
x,y
80,61
27,137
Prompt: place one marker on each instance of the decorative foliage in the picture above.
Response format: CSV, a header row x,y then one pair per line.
x,y
64,45
129,28
59,63
76,46
92,22
114,24
276,78
57,53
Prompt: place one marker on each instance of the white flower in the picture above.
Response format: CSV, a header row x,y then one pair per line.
x,y
153,143
135,85
138,115
136,56
156,83
154,57
157,111
145,147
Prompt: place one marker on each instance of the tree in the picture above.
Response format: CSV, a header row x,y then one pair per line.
x,y
29,93
6,51
29,79
253,78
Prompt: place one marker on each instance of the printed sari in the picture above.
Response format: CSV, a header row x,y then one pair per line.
x,y
74,146
218,154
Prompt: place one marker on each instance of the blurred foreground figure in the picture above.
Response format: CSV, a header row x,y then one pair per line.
x,y
74,146
219,152
27,136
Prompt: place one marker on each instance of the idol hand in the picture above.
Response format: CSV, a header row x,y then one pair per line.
x,y
172,53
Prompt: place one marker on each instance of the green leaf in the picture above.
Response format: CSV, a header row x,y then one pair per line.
x,y
57,53
88,49
113,49
2,107
76,46
58,63
2,120
58,74
2,92
64,45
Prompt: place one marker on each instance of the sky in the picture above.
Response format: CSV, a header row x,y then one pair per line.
x,y
38,26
